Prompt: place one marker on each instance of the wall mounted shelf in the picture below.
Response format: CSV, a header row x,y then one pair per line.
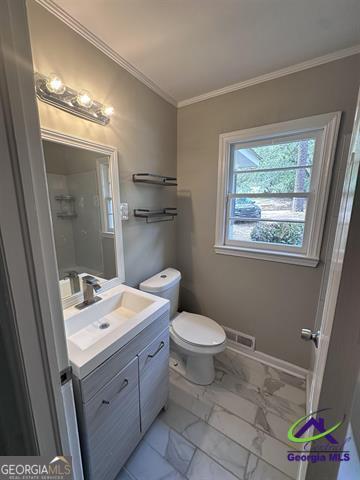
x,y
154,179
68,198
152,216
67,206
66,215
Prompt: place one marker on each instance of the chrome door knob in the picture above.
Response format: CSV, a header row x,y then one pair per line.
x,y
307,334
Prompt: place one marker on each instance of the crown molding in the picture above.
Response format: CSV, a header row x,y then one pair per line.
x,y
70,21
347,52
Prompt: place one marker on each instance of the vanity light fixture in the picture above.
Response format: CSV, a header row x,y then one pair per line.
x,y
107,110
51,89
84,99
54,84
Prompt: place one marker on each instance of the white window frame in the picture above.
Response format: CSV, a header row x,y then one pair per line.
x,y
325,128
104,214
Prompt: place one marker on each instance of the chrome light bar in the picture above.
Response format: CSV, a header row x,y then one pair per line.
x,y
51,90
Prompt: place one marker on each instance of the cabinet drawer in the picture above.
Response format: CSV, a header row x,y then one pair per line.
x,y
106,371
154,379
112,425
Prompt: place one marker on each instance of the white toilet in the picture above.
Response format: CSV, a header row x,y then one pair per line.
x,y
197,338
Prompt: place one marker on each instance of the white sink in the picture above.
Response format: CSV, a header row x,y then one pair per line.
x,y
98,331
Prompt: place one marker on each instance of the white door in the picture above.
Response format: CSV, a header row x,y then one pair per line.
x,y
327,312
334,276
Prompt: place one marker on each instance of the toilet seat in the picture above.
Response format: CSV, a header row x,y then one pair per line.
x,y
198,330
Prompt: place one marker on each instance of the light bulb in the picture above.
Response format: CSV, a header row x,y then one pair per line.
x,y
84,99
107,110
54,84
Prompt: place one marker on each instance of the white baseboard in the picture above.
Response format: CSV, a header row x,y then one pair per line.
x,y
286,367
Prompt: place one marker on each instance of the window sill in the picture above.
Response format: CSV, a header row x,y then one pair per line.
x,y
270,256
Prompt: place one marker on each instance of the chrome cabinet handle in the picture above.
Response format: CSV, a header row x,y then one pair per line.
x,y
124,385
152,355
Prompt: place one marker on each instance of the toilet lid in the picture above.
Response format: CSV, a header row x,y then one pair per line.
x,y
198,330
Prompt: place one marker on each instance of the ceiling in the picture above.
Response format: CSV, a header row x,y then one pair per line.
x,y
190,47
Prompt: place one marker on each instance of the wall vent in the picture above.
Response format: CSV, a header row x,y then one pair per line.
x,y
240,339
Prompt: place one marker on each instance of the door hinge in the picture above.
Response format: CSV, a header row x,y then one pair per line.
x,y
65,375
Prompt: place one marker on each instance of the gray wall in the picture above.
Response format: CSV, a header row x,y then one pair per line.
x,y
62,228
143,130
269,300
87,224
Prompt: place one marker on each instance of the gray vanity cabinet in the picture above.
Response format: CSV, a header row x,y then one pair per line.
x,y
118,401
112,424
154,379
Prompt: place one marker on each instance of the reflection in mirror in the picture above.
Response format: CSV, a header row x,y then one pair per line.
x,y
80,194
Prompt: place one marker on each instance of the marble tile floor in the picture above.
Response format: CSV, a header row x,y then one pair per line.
x,y
234,429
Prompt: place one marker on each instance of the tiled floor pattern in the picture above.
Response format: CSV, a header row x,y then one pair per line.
x,y
234,429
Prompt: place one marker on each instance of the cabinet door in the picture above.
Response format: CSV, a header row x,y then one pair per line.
x,y
154,379
98,378
112,424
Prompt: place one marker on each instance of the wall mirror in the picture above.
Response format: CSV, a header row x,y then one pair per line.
x,y
84,201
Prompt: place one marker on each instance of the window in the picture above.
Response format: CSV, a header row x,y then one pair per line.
x,y
106,202
272,189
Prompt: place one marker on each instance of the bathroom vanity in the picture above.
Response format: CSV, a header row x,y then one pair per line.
x,y
120,377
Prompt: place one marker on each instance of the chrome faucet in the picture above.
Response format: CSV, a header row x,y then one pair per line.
x,y
90,286
73,276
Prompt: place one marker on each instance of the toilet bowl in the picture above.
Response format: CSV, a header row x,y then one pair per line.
x,y
197,338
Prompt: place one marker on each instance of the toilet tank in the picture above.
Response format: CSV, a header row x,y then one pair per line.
x,y
165,284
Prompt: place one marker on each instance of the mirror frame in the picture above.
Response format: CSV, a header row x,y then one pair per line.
x,y
77,142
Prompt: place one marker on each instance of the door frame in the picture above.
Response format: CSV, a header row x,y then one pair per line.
x,y
27,235
350,186
337,260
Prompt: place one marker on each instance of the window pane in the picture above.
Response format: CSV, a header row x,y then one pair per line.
x,y
280,233
105,172
247,209
110,218
275,155
109,205
278,181
107,218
